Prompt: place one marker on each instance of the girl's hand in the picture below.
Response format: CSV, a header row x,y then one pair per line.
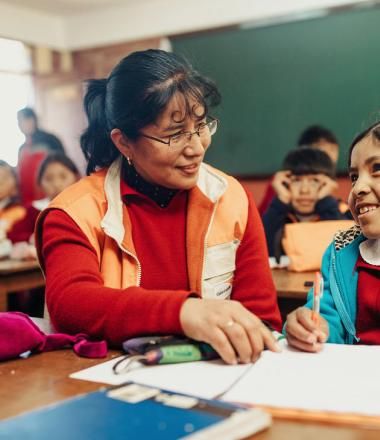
x,y
280,184
234,332
304,333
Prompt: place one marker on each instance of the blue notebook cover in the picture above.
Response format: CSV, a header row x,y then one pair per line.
x,y
133,411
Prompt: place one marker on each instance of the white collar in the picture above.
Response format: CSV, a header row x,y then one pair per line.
x,y
41,204
209,182
370,251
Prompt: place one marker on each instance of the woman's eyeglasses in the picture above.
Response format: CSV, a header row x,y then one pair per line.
x,y
178,141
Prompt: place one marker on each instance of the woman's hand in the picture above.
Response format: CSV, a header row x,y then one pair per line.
x,y
234,332
280,184
304,333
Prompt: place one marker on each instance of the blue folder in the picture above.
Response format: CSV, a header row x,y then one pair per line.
x,y
133,411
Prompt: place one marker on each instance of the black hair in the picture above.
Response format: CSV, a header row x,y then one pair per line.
x,y
373,130
309,161
315,133
56,158
27,113
136,92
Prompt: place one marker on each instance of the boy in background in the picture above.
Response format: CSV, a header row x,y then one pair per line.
x,y
314,136
322,139
303,194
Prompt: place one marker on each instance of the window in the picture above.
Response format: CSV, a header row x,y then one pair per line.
x,y
16,92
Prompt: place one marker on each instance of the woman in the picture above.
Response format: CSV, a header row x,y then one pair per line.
x,y
154,241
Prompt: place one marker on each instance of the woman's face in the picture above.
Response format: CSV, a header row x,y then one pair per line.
x,y
364,198
175,167
56,178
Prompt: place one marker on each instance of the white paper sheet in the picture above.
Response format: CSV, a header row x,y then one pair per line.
x,y
341,378
201,379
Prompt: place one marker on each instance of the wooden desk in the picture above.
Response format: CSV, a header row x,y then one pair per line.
x,y
42,379
291,290
291,284
18,275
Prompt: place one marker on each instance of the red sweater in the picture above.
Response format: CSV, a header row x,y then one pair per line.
x,y
368,315
79,302
24,228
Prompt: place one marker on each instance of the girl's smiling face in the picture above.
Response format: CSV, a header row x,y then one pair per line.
x,y
364,198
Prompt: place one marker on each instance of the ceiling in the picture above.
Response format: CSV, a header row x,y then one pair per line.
x,y
66,7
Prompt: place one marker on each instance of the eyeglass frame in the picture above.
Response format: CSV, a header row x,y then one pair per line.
x,y
189,133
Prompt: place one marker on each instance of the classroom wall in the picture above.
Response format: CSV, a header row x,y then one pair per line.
x,y
74,25
277,80
289,86
59,94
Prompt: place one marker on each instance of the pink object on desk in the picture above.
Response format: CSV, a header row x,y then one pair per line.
x,y
19,334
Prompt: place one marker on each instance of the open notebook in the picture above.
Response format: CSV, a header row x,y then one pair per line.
x,y
134,411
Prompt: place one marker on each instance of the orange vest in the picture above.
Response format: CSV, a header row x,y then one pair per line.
x,y
217,215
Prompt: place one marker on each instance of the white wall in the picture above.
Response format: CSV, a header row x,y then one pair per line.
x,y
30,26
139,19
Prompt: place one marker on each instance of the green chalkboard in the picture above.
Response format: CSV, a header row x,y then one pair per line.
x,y
276,80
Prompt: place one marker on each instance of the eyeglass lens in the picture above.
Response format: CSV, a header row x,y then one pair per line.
x,y
208,129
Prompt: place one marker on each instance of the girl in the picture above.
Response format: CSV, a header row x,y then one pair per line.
x,y
10,209
56,173
350,304
154,241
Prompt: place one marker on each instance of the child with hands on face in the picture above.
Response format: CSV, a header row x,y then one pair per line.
x,y
351,264
304,191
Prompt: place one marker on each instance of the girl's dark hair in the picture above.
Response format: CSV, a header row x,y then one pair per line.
x,y
309,161
136,92
373,130
56,158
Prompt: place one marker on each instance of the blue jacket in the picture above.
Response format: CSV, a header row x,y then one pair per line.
x,y
339,300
